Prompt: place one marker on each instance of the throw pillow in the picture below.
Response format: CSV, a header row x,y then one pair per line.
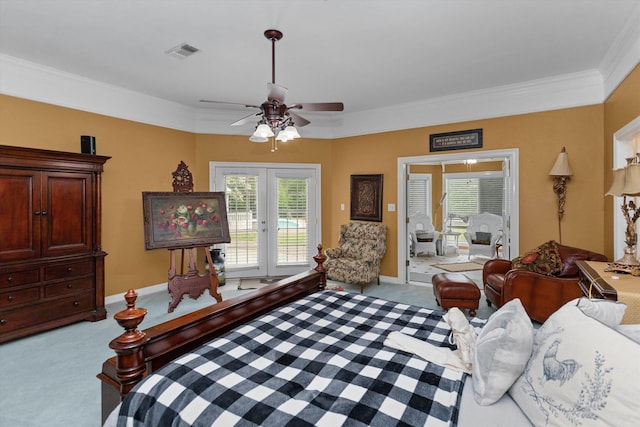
x,y
482,238
581,372
502,350
631,331
606,311
545,259
424,236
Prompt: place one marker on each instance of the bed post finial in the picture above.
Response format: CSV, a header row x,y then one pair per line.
x,y
320,258
130,364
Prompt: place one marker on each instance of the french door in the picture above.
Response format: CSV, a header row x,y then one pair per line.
x,y
273,216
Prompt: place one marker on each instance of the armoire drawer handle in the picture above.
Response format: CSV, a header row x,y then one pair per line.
x,y
76,304
69,286
10,298
10,279
69,269
3,322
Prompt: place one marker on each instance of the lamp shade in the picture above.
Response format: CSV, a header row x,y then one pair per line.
x,y
626,181
618,183
632,180
561,166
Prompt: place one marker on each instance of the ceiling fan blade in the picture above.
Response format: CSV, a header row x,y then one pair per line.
x,y
245,120
319,106
298,120
276,92
229,103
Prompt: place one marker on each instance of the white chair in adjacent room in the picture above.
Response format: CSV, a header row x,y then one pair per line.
x,y
483,233
422,235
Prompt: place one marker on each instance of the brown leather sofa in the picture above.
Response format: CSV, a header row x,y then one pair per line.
x,y
540,294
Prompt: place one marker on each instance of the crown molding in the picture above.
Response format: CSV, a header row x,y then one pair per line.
x,y
28,80
623,55
32,81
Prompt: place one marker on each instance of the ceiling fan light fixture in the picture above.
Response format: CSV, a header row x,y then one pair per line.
x,y
287,134
292,132
258,139
263,131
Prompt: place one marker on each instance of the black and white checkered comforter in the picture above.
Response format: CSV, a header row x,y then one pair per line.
x,y
317,362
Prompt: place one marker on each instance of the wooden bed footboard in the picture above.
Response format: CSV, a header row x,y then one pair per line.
x,y
139,353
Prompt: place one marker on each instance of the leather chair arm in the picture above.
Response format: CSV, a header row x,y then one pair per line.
x,y
495,266
540,295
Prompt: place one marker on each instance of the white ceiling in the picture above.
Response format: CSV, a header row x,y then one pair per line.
x,y
394,63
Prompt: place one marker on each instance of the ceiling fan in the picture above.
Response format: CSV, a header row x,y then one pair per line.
x,y
275,117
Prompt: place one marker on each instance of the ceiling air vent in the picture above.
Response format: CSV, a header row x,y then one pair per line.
x,y
182,51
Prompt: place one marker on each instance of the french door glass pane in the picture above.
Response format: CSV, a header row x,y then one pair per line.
x,y
293,218
242,198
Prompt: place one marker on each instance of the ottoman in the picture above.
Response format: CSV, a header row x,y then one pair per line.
x,y
456,290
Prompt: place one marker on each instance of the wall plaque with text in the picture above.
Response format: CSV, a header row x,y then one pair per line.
x,y
455,140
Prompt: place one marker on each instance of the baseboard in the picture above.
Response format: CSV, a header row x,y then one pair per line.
x,y
142,291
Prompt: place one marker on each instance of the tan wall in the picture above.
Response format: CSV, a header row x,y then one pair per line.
x,y
143,157
539,137
620,108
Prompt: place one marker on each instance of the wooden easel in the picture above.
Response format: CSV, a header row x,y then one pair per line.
x,y
191,283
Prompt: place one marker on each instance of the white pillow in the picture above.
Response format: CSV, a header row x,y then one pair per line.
x,y
608,312
581,372
502,349
631,331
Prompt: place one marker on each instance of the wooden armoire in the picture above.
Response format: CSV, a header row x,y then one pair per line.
x,y
51,258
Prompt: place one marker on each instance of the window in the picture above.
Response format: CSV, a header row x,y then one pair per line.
x,y
419,194
471,194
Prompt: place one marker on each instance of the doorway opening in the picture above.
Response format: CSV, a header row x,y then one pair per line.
x,y
504,163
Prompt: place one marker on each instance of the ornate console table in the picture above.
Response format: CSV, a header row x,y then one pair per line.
x,y
598,283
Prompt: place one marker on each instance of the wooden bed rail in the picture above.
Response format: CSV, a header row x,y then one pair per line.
x,y
139,353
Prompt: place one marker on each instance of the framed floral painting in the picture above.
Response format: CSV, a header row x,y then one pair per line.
x,y
184,219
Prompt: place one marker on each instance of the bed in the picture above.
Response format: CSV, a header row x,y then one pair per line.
x,y
290,354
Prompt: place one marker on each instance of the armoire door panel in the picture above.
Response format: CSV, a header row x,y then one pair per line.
x,y
66,214
19,208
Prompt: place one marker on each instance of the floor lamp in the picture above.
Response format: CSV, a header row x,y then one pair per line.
x,y
435,219
626,183
561,172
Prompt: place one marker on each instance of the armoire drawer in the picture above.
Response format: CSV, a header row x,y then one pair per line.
x,y
68,270
17,297
68,287
11,320
21,277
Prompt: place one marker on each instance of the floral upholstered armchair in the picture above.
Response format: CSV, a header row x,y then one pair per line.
x,y
361,247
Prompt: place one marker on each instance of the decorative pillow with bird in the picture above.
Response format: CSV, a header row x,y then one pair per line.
x,y
545,259
581,372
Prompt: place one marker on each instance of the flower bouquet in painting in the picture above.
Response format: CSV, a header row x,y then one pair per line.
x,y
183,220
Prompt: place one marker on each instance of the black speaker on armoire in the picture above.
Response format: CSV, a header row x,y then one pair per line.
x,y
88,144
